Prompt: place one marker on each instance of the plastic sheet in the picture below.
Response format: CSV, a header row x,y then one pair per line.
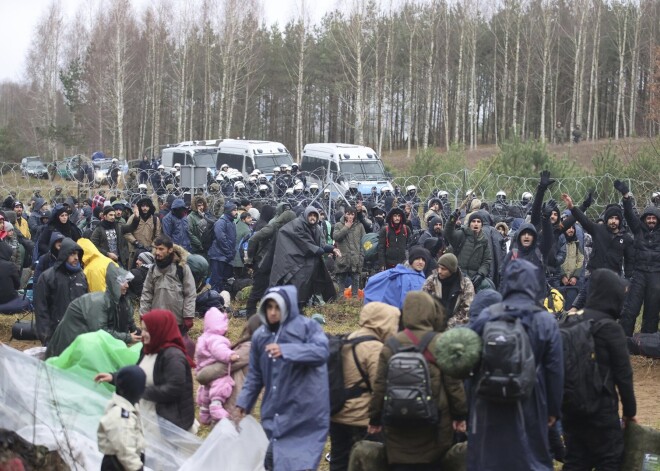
x,y
58,409
242,449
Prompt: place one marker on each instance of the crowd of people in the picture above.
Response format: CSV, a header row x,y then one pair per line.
x,y
424,268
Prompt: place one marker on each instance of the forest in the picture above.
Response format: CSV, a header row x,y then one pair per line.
x,y
388,74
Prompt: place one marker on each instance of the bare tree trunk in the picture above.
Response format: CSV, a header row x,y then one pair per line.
x,y
516,67
300,85
634,68
622,31
592,131
473,107
428,105
459,84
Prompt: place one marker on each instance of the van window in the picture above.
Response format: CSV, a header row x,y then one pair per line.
x,y
267,162
205,159
249,166
363,170
315,166
181,158
233,160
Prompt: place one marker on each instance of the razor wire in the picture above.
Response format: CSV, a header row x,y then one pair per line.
x,y
71,179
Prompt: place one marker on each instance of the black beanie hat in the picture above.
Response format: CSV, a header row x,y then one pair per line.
x,y
418,252
130,383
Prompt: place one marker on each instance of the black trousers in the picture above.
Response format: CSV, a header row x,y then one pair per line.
x,y
259,287
342,439
644,289
592,445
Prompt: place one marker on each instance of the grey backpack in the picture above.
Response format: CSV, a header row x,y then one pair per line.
x,y
508,366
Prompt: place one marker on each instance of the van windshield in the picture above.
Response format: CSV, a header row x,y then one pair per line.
x,y
363,170
206,158
266,163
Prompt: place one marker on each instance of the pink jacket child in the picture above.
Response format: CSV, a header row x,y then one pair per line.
x,y
214,347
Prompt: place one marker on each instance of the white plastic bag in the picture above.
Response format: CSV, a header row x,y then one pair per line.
x,y
238,450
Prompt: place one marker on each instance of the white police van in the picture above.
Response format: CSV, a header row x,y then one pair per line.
x,y
184,154
343,163
248,155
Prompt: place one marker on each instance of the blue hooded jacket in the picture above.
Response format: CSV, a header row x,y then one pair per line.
x,y
391,286
295,411
224,245
515,436
177,228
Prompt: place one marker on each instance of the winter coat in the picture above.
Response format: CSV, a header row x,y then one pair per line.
x,y
224,246
606,297
419,444
647,242
533,254
457,302
165,289
610,250
100,239
56,289
349,243
377,320
295,410
109,311
391,286
574,262
260,243
54,225
392,246
172,390
515,436
197,225
497,247
34,221
120,433
474,255
10,278
176,228
242,230
144,232
297,259
213,347
48,259
95,265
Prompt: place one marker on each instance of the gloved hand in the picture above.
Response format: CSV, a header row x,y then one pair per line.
x,y
546,181
588,200
456,215
188,322
546,210
477,280
621,187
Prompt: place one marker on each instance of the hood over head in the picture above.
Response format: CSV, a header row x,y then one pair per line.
x,y
309,210
54,237
67,248
607,292
650,211
613,210
229,207
199,267
55,213
482,300
280,208
90,251
382,319
527,227
421,313
519,280
38,204
267,213
286,298
130,383
393,211
215,322
114,276
148,201
5,251
283,218
435,220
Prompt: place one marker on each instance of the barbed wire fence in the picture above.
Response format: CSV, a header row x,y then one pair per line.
x,y
74,182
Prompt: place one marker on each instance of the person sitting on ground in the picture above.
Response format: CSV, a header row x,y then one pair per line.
x,y
454,290
10,281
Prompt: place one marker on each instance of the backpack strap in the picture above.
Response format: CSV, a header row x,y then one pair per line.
x,y
179,272
354,342
423,344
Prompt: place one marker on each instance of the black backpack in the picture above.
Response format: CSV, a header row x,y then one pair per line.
x,y
208,236
409,400
413,240
339,394
508,366
583,383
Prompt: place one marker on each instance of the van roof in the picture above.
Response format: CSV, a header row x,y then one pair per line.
x,y
191,149
343,151
257,147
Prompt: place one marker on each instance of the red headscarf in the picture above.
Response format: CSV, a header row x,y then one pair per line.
x,y
163,333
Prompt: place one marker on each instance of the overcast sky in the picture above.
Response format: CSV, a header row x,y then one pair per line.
x,y
19,18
